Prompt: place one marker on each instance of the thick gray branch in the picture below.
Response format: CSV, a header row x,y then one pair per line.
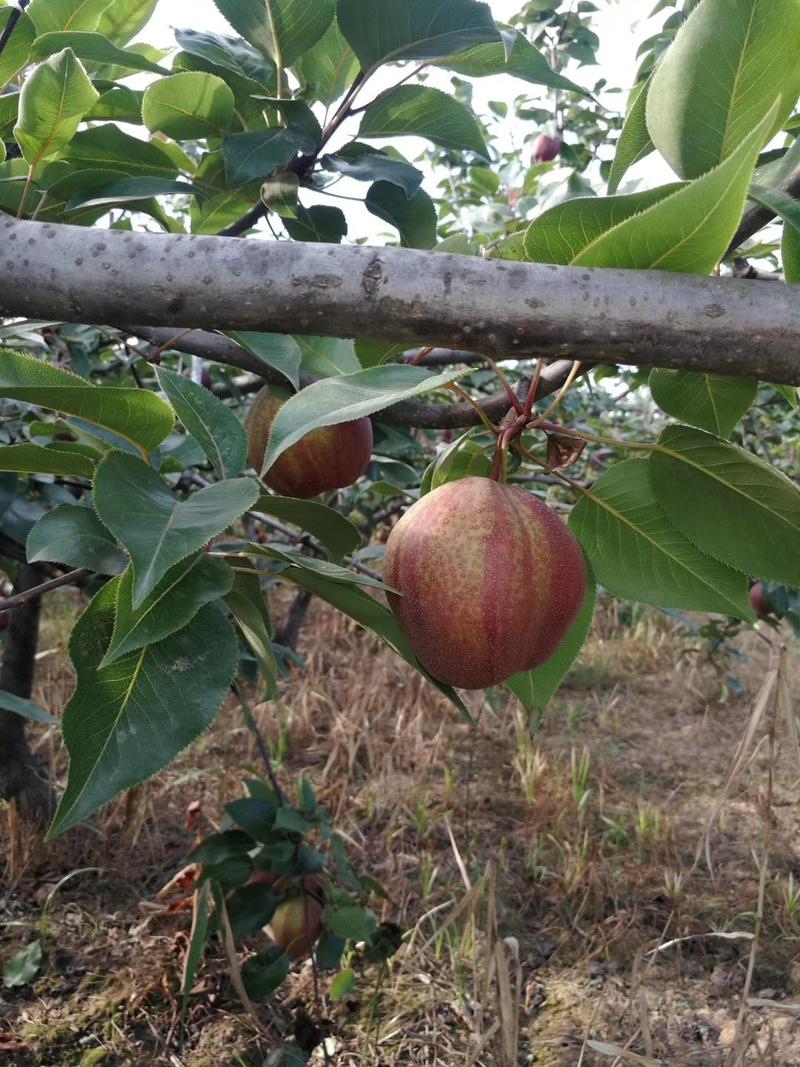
x,y
723,326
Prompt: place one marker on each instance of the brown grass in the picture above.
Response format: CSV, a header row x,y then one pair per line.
x,y
546,877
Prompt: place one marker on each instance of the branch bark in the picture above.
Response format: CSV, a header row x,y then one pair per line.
x,y
649,318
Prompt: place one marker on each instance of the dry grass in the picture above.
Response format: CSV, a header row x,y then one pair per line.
x,y
546,876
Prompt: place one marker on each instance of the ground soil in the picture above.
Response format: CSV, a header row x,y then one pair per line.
x,y
546,871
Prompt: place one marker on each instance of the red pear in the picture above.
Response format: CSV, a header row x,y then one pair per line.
x,y
545,148
490,580
328,458
758,601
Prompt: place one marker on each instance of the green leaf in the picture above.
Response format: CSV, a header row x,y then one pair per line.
x,y
343,984
707,401
420,111
127,721
282,29
123,19
52,104
687,231
327,356
215,427
230,53
296,558
26,708
328,68
635,551
119,104
264,972
634,142
777,201
188,106
720,79
257,153
374,353
23,966
383,31
247,603
126,191
280,193
364,163
174,602
564,232
320,222
74,536
162,530
197,943
414,218
34,459
136,415
92,48
359,605
535,688
276,350
462,458
298,117
349,921
50,15
107,148
729,503
14,57
338,535
790,253
514,55
350,396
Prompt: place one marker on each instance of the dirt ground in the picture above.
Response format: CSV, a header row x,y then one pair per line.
x,y
547,872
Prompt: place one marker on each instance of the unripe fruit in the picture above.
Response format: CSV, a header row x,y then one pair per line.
x,y
297,923
490,578
545,148
330,457
758,601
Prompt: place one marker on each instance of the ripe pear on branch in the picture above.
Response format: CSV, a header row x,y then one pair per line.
x,y
325,459
490,580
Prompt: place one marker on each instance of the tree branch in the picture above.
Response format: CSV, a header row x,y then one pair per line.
x,y
70,578
756,217
221,349
649,318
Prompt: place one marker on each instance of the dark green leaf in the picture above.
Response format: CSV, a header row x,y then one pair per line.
x,y
232,53
420,111
174,602
106,147
216,848
125,722
215,427
414,219
514,55
334,531
320,222
127,191
196,945
364,163
74,536
384,31
162,530
277,350
262,974
250,908
349,921
255,154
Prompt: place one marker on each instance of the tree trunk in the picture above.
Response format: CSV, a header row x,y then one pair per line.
x,y
22,779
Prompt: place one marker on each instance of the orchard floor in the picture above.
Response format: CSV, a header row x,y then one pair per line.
x,y
546,878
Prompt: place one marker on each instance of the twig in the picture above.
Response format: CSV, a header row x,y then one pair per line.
x,y
70,578
13,19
